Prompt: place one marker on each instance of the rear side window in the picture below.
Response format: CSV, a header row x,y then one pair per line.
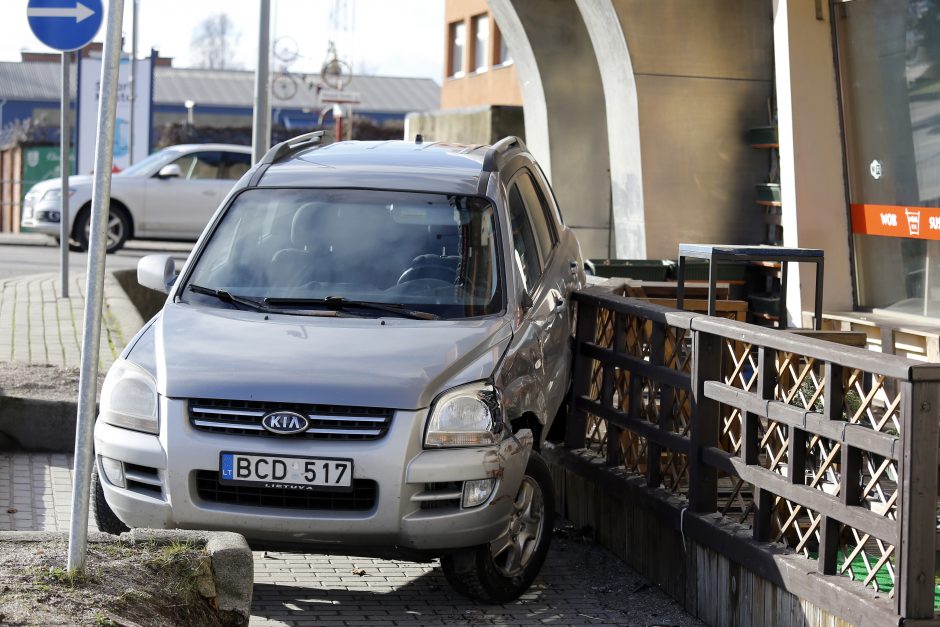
x,y
538,212
525,253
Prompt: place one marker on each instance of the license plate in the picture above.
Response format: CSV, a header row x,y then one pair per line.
x,y
286,471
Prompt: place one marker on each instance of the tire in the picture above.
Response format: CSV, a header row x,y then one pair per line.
x,y
119,228
105,518
479,574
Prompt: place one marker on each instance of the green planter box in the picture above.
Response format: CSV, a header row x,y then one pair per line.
x,y
764,304
697,270
639,269
768,193
763,137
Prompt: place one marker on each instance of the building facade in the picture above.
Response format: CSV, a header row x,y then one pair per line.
x,y
478,67
639,112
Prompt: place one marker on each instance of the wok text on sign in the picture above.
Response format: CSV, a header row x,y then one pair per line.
x,y
896,221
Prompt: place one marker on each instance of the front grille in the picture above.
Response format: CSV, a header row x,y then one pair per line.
x,y
327,422
361,498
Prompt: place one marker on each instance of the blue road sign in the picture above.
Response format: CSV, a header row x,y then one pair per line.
x,y
65,24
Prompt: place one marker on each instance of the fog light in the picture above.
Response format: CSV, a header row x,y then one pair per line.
x,y
113,471
476,492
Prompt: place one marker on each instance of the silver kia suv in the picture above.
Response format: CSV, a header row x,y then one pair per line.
x,y
364,351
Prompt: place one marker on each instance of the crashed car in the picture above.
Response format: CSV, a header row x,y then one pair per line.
x,y
365,351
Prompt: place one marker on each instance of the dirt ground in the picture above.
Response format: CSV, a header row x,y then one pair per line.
x,y
40,381
142,585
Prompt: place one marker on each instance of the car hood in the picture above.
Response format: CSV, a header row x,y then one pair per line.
x,y
391,362
77,181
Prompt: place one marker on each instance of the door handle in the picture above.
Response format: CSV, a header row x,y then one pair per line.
x,y
208,192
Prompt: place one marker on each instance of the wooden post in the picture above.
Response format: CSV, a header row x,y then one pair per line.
x,y
750,447
654,474
706,420
581,380
917,481
849,488
614,448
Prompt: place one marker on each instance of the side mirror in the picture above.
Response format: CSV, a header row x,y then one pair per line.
x,y
171,171
158,272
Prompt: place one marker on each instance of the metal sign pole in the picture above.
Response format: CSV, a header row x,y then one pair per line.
x,y
261,129
94,289
65,168
135,7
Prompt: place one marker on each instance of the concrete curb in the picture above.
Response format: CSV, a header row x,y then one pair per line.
x,y
232,566
43,425
35,424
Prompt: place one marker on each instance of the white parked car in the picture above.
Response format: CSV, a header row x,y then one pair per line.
x,y
169,195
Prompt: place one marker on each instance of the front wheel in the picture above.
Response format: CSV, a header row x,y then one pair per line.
x,y
105,518
503,569
118,229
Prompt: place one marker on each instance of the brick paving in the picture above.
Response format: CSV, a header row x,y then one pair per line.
x,y
580,584
38,326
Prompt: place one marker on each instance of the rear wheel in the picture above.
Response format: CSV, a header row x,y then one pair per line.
x,y
105,518
505,568
119,228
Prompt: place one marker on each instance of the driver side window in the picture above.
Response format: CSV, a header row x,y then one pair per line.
x,y
199,166
526,256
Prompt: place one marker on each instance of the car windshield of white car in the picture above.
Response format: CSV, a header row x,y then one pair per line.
x,y
426,252
154,161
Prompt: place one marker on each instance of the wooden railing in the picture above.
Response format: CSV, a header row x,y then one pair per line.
x,y
826,449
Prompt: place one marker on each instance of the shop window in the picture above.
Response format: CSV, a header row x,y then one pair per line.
x,y
889,64
458,43
481,41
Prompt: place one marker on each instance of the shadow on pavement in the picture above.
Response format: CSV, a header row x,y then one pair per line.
x,y
580,584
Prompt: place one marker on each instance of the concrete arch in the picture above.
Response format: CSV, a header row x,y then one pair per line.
x,y
563,100
623,123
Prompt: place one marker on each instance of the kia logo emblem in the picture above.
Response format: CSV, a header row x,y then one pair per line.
x,y
285,422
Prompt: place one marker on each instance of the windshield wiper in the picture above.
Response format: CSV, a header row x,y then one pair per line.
x,y
227,297
340,303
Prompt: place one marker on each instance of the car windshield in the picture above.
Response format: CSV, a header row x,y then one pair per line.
x,y
307,251
156,160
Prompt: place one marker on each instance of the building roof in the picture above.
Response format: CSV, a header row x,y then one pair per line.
x,y
227,88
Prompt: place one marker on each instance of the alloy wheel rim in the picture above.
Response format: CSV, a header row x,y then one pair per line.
x,y
513,551
115,230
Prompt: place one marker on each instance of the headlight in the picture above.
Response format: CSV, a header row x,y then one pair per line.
x,y
129,398
56,193
469,415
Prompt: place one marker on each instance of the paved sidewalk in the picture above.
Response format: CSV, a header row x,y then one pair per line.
x,y
38,326
580,584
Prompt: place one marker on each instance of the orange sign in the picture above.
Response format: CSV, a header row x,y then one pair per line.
x,y
894,221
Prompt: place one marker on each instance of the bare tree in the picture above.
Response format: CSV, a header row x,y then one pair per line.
x,y
214,41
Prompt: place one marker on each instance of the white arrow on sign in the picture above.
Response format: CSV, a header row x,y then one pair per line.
x,y
80,12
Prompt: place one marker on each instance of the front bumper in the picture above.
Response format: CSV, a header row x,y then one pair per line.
x,y
409,509
42,216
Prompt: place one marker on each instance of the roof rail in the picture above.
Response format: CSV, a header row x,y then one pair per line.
x,y
500,148
292,146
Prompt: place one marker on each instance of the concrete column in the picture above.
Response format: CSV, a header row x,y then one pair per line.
x,y
565,117
812,175
623,126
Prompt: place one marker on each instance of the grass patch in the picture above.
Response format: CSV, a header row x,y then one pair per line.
x,y
146,584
